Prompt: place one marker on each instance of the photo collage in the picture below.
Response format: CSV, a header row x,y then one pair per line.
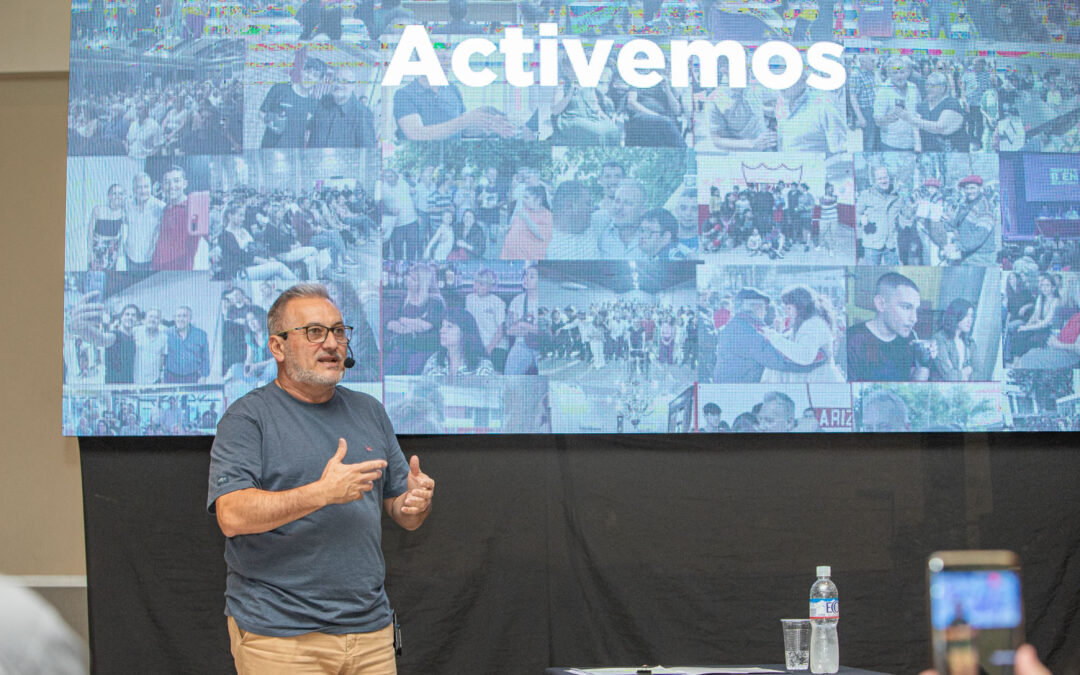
x,y
898,254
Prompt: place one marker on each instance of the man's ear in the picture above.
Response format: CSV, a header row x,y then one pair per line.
x,y
277,348
879,303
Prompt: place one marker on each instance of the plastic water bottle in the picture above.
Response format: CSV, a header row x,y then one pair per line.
x,y
824,615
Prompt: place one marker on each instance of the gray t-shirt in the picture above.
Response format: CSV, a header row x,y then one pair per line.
x,y
325,571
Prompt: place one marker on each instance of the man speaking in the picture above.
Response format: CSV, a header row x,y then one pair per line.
x,y
297,473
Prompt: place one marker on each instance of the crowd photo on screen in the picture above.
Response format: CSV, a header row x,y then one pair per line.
x,y
629,321
504,201
787,212
153,108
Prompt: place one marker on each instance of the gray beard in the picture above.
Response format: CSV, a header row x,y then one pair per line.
x,y
307,376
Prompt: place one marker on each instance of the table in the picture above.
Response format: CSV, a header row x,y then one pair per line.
x,y
844,670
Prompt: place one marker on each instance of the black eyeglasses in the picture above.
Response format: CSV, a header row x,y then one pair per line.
x,y
318,333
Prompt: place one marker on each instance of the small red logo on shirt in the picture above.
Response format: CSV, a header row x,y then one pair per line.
x,y
368,448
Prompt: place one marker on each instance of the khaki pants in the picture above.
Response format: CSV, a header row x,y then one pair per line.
x,y
311,653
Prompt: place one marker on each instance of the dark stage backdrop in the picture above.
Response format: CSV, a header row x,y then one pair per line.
x,y
579,550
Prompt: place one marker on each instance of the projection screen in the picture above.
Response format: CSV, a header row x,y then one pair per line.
x,y
666,216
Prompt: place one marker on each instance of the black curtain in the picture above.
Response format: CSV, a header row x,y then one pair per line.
x,y
617,550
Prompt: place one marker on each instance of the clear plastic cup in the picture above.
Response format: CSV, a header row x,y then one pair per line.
x,y
796,644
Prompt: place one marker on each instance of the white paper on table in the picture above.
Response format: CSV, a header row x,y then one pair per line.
x,y
699,670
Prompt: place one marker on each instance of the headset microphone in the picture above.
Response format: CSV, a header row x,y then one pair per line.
x,y
349,360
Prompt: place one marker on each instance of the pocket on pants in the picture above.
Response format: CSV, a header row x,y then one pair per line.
x,y
236,633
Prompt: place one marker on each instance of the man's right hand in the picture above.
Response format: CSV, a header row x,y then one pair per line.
x,y
86,317
488,120
343,483
766,141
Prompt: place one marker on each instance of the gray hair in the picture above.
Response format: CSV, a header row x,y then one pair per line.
x,y
302,290
882,397
782,399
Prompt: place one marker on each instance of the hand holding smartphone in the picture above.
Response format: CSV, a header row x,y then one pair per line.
x,y
976,611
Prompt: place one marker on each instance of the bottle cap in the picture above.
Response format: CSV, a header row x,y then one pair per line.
x,y
824,570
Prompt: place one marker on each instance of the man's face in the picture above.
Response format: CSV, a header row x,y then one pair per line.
x,y
882,415
609,180
142,188
311,76
628,202
687,212
153,319
971,191
182,318
310,362
774,418
809,420
574,217
483,284
712,420
343,87
898,308
898,73
866,63
174,185
652,237
882,179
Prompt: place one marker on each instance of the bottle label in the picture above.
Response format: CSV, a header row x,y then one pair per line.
x,y
825,608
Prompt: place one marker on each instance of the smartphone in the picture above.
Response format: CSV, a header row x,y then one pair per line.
x,y
198,208
976,611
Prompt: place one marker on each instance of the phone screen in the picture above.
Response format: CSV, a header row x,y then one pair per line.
x,y
977,617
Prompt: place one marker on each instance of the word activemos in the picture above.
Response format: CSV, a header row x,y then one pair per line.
x,y
638,61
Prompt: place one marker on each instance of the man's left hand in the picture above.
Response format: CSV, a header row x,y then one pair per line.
x,y
421,489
